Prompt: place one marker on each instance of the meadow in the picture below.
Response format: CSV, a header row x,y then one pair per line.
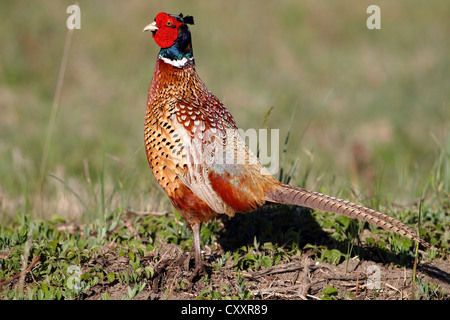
x,y
362,115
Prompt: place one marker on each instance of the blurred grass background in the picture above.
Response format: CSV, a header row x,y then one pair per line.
x,y
370,107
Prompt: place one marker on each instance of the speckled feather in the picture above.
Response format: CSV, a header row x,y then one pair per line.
x,y
184,123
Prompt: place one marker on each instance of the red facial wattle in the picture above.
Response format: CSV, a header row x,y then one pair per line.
x,y
167,31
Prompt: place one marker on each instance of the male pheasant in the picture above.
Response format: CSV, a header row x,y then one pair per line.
x,y
197,155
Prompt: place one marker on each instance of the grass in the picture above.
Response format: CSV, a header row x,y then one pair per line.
x,y
64,246
367,114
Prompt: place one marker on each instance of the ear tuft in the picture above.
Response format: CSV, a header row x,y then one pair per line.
x,y
188,20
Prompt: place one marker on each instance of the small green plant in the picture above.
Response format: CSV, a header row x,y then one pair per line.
x,y
220,262
243,292
132,292
105,296
427,290
329,293
332,256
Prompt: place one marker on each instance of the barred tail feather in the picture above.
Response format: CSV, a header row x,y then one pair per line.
x,y
286,194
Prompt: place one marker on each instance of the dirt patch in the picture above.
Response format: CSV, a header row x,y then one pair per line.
x,y
301,278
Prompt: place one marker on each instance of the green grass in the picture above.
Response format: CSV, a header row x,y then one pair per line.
x,y
369,114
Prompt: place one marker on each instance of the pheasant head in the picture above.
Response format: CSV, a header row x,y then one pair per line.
x,y
171,33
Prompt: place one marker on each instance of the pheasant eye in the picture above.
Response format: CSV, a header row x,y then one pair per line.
x,y
169,23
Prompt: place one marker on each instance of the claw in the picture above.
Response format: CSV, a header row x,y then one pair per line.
x,y
198,272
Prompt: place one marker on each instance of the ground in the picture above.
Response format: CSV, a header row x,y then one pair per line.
x,y
301,278
283,253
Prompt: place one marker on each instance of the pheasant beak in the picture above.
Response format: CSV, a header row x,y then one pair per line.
x,y
151,27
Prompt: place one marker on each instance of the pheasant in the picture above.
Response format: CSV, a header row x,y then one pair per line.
x,y
197,155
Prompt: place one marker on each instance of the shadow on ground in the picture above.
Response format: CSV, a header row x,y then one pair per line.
x,y
283,225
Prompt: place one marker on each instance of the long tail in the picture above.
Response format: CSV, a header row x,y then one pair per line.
x,y
287,194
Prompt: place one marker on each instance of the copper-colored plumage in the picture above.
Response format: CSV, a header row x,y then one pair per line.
x,y
203,164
